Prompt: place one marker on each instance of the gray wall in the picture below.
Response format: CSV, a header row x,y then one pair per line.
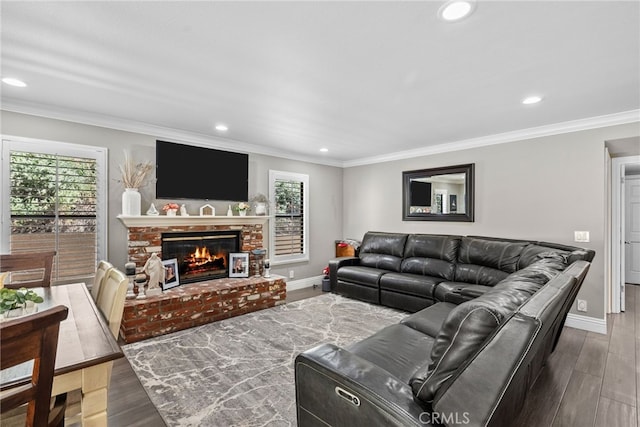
x,y
325,184
544,189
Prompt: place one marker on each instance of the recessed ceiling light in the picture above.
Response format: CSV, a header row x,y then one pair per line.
x,y
14,82
324,150
455,10
222,128
532,100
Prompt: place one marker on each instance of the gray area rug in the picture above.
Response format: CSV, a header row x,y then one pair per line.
x,y
239,371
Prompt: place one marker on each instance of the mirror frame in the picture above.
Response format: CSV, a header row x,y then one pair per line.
x,y
468,216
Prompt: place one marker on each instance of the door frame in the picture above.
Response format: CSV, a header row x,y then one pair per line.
x,y
618,165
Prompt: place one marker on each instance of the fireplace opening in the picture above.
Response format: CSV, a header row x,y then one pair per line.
x,y
201,255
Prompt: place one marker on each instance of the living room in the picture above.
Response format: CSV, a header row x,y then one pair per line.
x,y
539,174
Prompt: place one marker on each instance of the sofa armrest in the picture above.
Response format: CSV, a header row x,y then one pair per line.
x,y
335,264
341,388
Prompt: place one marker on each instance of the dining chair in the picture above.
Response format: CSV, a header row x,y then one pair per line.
x,y
33,337
101,273
25,269
111,298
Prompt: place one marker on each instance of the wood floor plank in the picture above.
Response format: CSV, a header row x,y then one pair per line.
x,y
593,357
577,408
622,339
619,383
615,414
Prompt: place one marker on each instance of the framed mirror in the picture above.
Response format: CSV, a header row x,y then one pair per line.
x,y
438,194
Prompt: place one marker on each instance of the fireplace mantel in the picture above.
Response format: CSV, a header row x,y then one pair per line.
x,y
168,221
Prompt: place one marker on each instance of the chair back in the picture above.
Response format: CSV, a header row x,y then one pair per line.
x,y
32,337
101,272
111,299
24,269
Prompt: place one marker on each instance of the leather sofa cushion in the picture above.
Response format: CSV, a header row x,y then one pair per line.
x,y
412,284
478,274
531,253
463,333
445,288
432,246
465,329
428,267
382,250
362,275
429,320
546,266
398,349
498,255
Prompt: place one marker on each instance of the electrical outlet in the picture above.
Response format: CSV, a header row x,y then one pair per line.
x,y
581,236
582,305
291,274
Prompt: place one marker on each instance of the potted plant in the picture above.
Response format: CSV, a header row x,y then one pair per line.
x,y
242,208
171,209
260,202
12,301
132,177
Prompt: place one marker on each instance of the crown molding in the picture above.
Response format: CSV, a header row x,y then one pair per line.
x,y
177,135
632,116
160,132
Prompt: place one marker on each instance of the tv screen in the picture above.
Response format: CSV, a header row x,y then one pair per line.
x,y
190,172
420,193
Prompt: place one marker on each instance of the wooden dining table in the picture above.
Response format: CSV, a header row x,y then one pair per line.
x,y
86,350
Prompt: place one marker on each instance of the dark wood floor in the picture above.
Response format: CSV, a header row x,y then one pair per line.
x,y
590,380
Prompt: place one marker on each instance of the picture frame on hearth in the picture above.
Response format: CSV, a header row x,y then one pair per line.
x,y
171,276
239,264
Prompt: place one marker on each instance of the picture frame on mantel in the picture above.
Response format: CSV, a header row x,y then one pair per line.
x,y
239,264
171,276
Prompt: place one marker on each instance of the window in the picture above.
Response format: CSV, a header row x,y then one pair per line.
x,y
289,194
53,199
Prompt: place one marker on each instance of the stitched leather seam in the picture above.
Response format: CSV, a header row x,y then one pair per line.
x,y
455,335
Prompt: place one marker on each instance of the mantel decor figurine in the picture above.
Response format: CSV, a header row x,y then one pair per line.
x,y
155,270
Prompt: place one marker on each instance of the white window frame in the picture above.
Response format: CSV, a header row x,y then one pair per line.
x,y
15,143
304,179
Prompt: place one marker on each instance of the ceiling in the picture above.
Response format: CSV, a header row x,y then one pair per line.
x,y
363,79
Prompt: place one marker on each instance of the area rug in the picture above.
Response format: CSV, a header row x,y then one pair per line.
x,y
239,371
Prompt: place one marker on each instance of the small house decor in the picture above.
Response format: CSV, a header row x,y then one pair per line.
x,y
207,210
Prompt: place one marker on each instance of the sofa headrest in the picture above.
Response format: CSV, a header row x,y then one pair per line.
x,y
383,243
502,256
432,246
382,250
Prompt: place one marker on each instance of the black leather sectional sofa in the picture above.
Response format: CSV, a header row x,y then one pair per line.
x,y
487,313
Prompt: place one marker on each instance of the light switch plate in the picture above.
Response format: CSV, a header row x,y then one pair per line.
x,y
581,236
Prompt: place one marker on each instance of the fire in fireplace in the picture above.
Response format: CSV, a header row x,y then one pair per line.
x,y
201,255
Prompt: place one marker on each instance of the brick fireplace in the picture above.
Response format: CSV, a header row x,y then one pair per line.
x,y
144,233
203,301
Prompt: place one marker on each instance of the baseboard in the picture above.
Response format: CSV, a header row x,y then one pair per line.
x,y
308,282
586,323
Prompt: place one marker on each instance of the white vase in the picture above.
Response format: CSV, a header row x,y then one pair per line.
x,y
242,213
131,202
171,212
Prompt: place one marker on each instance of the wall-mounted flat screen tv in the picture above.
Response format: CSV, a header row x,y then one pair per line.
x,y
190,172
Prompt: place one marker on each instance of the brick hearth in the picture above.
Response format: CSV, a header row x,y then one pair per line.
x,y
195,304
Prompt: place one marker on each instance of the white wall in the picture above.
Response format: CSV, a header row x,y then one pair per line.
x,y
325,184
543,189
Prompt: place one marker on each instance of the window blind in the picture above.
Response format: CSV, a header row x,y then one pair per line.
x,y
289,217
53,206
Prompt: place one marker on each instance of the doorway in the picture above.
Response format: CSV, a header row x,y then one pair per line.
x,y
625,183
